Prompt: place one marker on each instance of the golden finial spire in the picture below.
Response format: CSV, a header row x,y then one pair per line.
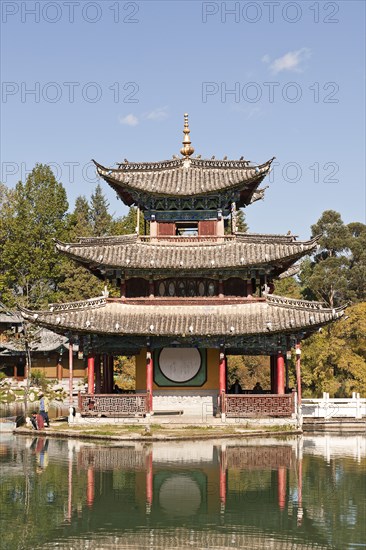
x,y
187,150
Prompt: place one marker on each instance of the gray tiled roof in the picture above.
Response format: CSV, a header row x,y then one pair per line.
x,y
245,250
7,316
42,340
273,314
184,177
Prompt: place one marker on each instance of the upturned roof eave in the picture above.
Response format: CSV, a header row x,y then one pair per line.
x,y
82,253
276,315
126,189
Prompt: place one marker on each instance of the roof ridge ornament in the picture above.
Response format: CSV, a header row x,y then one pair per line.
x,y
187,150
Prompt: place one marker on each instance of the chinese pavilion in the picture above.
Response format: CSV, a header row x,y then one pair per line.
x,y
192,291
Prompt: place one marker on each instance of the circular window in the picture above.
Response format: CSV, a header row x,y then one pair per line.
x,y
171,289
201,288
180,495
180,364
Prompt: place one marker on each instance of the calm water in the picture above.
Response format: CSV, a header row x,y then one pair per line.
x,y
278,494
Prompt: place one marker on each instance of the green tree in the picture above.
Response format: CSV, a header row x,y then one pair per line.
x,y
337,271
101,219
35,216
327,275
241,225
249,369
125,369
357,278
288,287
127,224
334,360
78,283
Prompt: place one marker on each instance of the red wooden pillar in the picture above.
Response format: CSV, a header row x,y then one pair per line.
x,y
90,374
280,374
281,487
298,373
222,383
90,489
98,374
59,370
149,480
71,382
149,380
221,288
222,471
15,372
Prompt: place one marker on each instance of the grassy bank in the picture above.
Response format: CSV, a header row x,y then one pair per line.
x,y
159,432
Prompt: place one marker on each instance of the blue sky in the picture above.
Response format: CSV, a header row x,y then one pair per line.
x,y
112,79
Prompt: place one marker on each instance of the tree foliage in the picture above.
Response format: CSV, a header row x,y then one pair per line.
x,y
100,218
34,215
249,370
334,360
337,271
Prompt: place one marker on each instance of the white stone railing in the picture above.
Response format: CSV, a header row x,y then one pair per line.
x,y
328,409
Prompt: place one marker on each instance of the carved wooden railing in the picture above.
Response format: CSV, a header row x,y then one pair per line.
x,y
135,404
258,405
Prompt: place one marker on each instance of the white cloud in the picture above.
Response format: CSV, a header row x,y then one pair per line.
x,y
160,113
266,58
289,62
129,120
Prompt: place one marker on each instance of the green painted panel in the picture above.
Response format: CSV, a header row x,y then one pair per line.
x,y
198,380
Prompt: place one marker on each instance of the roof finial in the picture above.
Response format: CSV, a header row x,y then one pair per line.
x,y
187,150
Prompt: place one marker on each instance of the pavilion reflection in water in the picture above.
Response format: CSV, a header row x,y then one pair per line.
x,y
223,493
197,479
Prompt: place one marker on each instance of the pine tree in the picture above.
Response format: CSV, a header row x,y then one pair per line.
x,y
36,215
101,219
78,283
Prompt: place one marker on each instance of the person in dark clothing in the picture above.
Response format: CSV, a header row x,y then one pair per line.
x,y
33,420
257,388
236,387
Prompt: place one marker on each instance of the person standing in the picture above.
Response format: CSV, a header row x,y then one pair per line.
x,y
44,404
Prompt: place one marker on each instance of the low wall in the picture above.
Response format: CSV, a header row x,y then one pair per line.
x,y
200,403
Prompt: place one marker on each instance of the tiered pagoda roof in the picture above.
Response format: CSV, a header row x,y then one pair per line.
x,y
188,189
236,252
272,314
183,177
